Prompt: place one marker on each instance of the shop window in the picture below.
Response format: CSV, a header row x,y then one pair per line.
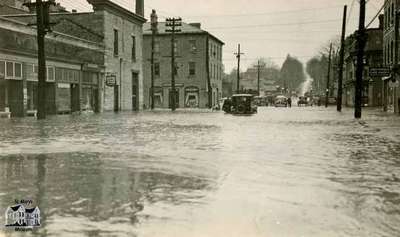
x,y
2,68
10,69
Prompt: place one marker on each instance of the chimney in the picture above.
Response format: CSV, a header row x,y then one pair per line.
x,y
197,25
381,21
140,7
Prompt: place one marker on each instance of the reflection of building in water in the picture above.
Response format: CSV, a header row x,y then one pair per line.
x,y
18,215
199,60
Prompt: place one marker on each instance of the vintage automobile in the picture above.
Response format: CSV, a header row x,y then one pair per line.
x,y
261,100
303,101
240,104
281,101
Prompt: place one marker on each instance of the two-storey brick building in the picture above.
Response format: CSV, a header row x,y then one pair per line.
x,y
199,67
119,31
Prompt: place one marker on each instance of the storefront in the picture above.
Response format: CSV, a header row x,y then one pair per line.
x,y
11,88
90,91
68,90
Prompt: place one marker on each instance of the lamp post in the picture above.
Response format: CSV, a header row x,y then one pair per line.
x,y
154,22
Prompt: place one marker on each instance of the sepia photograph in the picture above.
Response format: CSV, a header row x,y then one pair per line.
x,y
182,118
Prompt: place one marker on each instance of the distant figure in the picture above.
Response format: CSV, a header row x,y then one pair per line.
x,y
289,102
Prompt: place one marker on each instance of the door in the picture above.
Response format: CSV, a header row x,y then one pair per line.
x,y
176,98
116,98
135,91
75,98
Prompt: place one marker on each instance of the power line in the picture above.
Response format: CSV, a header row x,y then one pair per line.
x,y
277,24
377,14
265,13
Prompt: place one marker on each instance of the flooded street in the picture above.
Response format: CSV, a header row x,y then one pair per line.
x,y
296,172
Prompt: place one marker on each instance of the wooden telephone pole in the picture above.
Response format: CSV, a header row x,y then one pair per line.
x,y
328,76
173,23
238,55
360,61
341,62
258,77
43,26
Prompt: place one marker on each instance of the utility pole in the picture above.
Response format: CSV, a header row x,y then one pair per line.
x,y
258,77
341,62
238,55
328,76
43,26
154,23
173,23
360,61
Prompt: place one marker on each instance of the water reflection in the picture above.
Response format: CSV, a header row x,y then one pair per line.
x,y
83,186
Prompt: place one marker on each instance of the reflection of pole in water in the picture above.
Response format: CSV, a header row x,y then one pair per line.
x,y
41,188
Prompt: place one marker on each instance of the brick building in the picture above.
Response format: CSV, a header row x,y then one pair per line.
x,y
391,89
119,33
198,62
373,58
73,70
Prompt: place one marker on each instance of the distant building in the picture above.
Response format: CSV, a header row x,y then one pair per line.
x,y
391,89
110,77
268,78
373,58
198,61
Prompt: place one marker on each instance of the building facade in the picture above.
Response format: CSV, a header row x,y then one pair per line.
x,y
372,95
73,71
198,62
118,73
391,89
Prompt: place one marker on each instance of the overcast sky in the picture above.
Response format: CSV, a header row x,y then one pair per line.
x,y
264,28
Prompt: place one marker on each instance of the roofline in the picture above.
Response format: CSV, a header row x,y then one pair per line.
x,y
114,6
148,34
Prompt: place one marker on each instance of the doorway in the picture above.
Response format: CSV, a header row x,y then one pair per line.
x,y
135,91
176,98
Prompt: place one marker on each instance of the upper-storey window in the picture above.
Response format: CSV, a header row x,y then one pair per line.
x,y
115,42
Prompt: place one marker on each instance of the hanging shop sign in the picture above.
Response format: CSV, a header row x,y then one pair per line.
x,y
379,72
111,80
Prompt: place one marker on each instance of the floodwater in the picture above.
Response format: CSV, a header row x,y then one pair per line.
x,y
299,172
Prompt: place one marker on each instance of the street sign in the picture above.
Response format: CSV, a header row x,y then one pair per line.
x,y
111,80
379,72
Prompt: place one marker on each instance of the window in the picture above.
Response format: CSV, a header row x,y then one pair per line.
x,y
176,69
193,47
192,68
115,42
156,47
50,74
13,70
133,48
18,70
2,68
157,69
176,47
10,69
